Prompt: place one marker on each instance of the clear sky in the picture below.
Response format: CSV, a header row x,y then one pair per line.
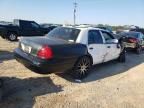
x,y
114,12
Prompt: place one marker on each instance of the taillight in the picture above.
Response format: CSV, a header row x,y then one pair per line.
x,y
45,52
133,40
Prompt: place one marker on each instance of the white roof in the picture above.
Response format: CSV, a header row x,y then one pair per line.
x,y
85,28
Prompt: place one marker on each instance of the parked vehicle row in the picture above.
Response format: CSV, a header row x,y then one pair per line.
x,y
23,28
69,48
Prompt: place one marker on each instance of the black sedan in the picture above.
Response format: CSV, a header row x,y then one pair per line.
x,y
133,40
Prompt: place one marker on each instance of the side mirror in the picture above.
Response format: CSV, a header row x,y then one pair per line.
x,y
114,41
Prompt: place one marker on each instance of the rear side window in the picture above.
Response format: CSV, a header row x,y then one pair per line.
x,y
25,24
94,37
64,33
52,27
34,25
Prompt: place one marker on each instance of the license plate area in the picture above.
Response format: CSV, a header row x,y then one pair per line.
x,y
132,45
26,48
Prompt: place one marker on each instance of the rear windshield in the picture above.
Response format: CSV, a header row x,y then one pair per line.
x,y
135,35
64,33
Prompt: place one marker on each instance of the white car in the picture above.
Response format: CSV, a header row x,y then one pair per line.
x,y
64,48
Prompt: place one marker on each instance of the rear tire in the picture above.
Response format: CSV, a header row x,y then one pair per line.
x,y
12,36
81,68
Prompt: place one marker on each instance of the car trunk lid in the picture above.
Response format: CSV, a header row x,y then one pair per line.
x,y
31,45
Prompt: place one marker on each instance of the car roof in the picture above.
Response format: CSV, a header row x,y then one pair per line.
x,y
85,28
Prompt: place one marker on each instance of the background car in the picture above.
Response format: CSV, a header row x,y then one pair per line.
x,y
133,40
22,28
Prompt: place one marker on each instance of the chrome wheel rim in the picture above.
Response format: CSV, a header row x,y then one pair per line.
x,y
83,66
12,37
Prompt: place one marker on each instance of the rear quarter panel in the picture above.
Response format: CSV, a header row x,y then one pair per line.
x,y
69,53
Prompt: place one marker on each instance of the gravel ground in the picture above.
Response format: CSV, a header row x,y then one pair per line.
x,y
109,85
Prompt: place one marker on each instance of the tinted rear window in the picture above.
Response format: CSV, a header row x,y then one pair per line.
x,y
64,33
135,35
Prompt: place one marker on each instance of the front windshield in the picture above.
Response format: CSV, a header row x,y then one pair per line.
x,y
64,33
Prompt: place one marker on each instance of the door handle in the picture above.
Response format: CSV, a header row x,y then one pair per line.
x,y
108,46
91,48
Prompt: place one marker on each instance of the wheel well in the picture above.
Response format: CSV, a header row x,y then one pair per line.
x,y
90,58
11,32
88,55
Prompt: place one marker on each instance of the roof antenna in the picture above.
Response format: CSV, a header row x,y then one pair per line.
x,y
74,13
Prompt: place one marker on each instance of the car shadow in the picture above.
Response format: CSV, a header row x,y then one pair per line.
x,y
6,55
109,69
21,93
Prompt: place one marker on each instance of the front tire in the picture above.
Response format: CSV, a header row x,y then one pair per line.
x,y
82,67
12,37
122,57
139,50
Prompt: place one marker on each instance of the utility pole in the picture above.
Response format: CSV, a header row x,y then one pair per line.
x,y
75,7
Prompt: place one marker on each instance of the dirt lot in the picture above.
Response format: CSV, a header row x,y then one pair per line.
x,y
110,85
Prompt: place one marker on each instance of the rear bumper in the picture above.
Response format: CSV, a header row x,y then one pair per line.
x,y
130,45
42,66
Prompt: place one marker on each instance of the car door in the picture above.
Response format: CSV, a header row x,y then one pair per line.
x,y
25,28
96,46
113,51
